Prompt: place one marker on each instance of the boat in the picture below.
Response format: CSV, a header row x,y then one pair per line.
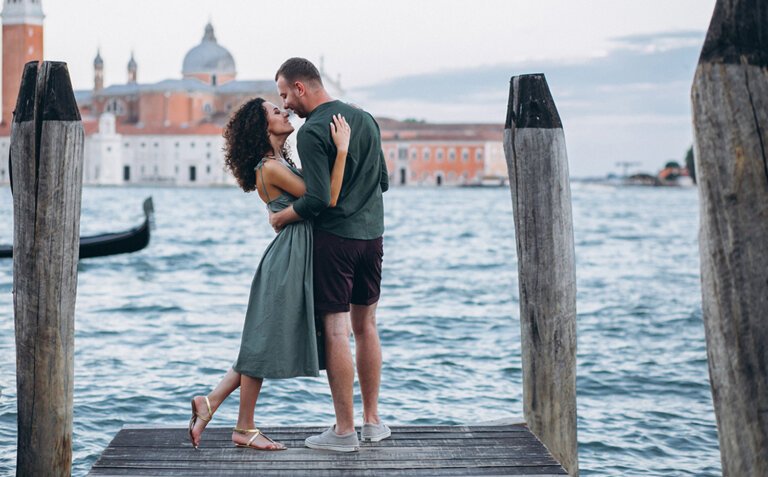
x,y
102,245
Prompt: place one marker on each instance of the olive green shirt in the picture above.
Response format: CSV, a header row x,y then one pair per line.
x,y
359,212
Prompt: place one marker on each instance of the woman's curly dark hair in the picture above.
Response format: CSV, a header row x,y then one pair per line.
x,y
247,142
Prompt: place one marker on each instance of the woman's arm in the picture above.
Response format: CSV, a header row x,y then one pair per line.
x,y
279,176
340,133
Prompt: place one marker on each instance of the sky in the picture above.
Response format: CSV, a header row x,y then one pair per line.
x,y
620,71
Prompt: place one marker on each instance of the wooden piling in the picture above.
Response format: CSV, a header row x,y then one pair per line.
x,y
534,145
47,154
730,117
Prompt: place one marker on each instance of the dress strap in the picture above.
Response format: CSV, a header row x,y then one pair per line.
x,y
260,168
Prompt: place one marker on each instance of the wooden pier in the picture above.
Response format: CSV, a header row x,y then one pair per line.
x,y
412,450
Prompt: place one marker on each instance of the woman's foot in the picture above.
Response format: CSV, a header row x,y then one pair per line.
x,y
254,439
201,416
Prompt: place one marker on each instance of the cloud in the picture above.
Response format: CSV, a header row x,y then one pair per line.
x,y
631,103
641,74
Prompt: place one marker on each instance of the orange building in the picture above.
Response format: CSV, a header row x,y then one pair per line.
x,y
22,43
420,153
169,132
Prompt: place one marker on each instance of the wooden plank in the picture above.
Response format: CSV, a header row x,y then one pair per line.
x,y
519,427
302,454
499,471
438,450
534,145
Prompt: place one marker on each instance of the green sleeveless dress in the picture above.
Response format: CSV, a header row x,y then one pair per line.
x,y
279,338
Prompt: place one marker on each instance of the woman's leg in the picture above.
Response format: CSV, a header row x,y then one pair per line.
x,y
226,386
249,394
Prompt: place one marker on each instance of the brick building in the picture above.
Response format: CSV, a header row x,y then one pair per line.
x,y
169,132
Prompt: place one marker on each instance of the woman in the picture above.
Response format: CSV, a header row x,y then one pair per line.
x,y
279,334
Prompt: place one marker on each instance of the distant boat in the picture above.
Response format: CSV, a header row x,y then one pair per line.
x,y
129,241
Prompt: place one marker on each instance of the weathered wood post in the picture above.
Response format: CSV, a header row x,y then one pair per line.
x,y
730,118
47,154
534,145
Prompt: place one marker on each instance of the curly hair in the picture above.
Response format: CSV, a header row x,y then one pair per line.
x,y
247,142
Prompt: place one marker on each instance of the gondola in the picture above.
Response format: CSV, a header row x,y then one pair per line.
x,y
109,244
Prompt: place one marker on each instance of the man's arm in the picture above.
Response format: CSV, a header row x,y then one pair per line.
x,y
317,178
383,173
278,220
384,179
315,154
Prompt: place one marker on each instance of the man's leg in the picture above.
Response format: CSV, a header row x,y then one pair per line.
x,y
368,357
341,371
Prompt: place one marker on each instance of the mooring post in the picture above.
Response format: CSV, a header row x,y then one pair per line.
x,y
730,118
534,145
47,154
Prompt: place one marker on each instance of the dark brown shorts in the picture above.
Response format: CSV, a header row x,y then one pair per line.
x,y
345,271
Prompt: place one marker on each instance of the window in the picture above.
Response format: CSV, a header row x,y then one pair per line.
x,y
127,173
109,148
192,173
127,144
478,155
465,155
176,144
402,153
157,144
392,154
143,144
439,155
414,154
425,154
452,155
207,169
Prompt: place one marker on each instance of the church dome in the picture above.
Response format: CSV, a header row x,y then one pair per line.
x,y
208,57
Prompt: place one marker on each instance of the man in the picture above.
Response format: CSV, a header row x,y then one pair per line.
x,y
347,250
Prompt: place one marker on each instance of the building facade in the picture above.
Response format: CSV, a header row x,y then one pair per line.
x,y
170,132
428,154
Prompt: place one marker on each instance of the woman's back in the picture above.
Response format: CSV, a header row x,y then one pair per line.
x,y
275,198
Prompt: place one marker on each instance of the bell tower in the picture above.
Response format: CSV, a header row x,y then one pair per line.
x,y
22,42
132,69
98,72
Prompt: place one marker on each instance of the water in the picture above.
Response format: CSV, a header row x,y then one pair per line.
x,y
155,327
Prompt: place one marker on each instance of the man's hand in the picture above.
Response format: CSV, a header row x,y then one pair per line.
x,y
278,220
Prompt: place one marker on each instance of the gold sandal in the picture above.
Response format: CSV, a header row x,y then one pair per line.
x,y
256,434
195,415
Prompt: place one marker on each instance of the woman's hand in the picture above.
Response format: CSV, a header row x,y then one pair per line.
x,y
340,133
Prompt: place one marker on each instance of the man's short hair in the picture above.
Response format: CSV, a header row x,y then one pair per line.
x,y
298,69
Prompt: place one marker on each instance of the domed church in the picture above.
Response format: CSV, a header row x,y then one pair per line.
x,y
207,92
209,62
164,133
167,132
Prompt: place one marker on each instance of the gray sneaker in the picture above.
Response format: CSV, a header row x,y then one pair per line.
x,y
375,432
329,440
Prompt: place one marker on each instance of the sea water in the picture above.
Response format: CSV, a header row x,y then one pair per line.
x,y
156,327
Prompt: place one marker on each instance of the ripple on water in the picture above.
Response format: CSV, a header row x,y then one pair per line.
x,y
156,327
